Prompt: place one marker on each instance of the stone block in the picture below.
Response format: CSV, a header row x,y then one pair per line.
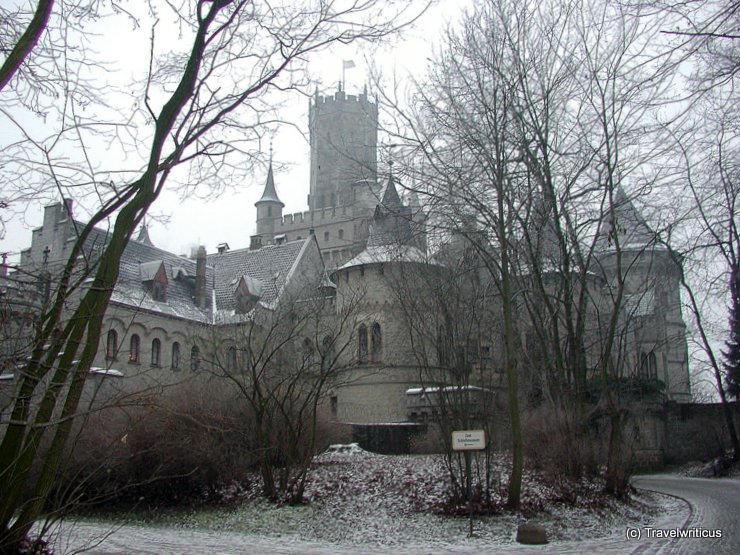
x,y
531,534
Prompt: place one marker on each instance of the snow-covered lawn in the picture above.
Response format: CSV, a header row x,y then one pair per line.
x,y
362,502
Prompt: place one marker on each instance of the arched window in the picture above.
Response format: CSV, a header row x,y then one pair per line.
x,y
111,345
328,352
134,348
377,343
231,359
175,356
156,351
307,352
194,358
362,344
648,366
444,346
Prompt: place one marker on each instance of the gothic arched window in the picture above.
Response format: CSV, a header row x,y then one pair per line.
x,y
362,344
134,348
111,345
377,343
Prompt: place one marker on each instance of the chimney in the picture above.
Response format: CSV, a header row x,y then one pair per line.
x,y
255,242
68,203
200,277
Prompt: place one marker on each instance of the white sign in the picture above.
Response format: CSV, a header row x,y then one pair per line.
x,y
469,440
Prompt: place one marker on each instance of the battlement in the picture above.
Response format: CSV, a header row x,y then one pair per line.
x,y
301,219
341,96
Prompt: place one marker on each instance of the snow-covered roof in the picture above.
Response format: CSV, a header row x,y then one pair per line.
x,y
445,389
269,266
106,372
387,253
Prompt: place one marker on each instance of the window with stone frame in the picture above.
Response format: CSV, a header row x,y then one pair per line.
x,y
444,345
156,352
648,366
111,345
231,364
194,358
327,345
175,360
159,292
362,344
307,352
376,354
134,349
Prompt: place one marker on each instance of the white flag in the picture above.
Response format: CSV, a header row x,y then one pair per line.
x,y
348,64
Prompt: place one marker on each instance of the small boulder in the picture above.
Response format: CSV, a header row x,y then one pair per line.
x,y
531,534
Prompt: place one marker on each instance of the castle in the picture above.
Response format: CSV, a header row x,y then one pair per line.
x,y
354,244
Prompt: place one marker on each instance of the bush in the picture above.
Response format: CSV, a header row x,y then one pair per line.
x,y
184,445
560,445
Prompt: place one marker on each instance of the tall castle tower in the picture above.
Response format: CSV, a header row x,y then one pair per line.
x,y
344,160
344,187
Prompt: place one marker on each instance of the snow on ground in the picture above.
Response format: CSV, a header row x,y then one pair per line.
x,y
359,502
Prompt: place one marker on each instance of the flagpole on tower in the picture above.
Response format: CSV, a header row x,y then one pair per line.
x,y
346,64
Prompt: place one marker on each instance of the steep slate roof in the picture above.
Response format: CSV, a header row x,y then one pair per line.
x,y
140,262
131,290
271,265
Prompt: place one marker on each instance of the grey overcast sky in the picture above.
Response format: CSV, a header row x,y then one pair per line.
x,y
177,224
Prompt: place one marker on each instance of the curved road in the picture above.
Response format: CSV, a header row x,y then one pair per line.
x,y
715,510
712,509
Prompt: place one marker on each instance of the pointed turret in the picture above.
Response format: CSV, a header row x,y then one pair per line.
x,y
269,206
270,194
391,223
143,236
628,226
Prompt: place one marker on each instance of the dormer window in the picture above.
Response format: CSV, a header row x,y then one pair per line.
x,y
247,294
154,277
159,292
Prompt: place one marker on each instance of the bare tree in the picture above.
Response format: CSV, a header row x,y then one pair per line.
x,y
706,239
535,120
281,363
238,51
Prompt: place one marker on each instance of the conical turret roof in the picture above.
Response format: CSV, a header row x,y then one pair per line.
x,y
143,236
270,194
632,229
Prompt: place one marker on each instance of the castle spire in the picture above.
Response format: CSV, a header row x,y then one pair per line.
x,y
270,194
143,236
634,232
